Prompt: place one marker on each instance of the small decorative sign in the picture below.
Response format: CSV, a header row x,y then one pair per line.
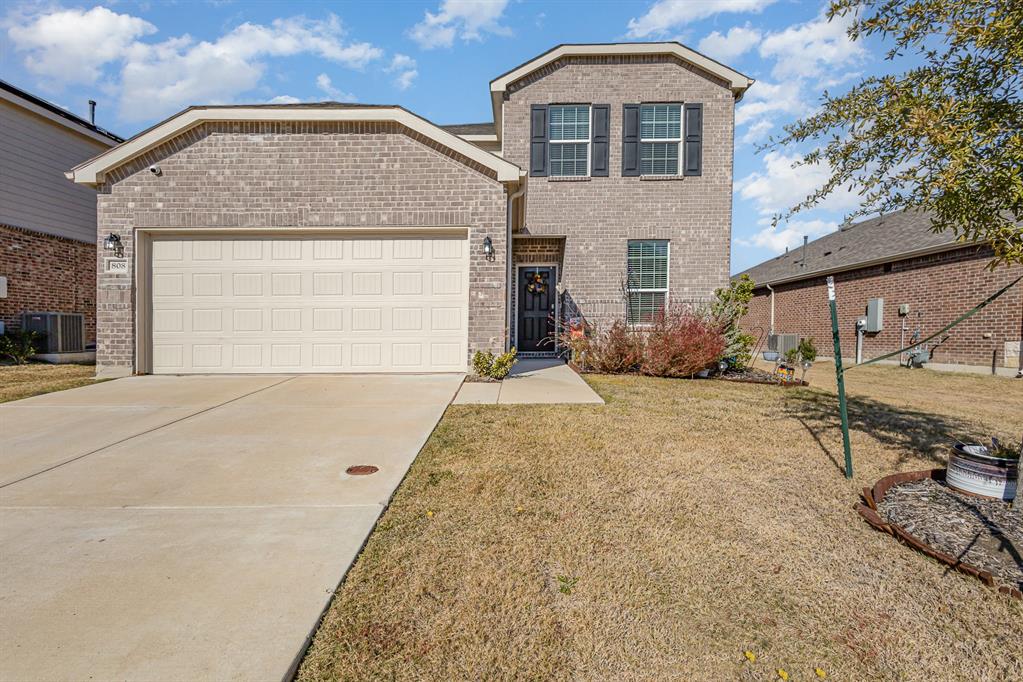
x,y
116,266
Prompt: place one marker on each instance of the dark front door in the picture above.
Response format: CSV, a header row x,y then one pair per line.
x,y
536,309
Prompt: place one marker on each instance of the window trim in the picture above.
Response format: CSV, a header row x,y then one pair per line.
x,y
588,142
667,280
677,140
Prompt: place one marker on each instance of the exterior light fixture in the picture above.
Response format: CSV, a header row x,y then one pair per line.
x,y
113,243
488,248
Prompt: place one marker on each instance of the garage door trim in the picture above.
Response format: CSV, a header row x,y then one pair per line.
x,y
143,242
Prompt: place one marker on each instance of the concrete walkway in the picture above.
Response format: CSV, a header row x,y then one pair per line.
x,y
192,528
532,381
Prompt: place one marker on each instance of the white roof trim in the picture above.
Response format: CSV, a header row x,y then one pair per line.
x,y
736,81
54,118
92,172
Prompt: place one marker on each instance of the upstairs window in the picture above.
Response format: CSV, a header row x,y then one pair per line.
x,y
660,136
569,139
647,270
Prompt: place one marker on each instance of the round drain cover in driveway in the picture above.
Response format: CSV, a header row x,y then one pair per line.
x,y
361,470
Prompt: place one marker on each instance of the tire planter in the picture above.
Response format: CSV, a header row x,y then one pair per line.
x,y
868,510
972,472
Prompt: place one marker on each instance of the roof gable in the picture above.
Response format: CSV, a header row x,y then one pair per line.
x,y
737,82
92,172
51,112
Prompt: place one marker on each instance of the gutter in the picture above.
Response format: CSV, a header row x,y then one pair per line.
x,y
772,308
508,266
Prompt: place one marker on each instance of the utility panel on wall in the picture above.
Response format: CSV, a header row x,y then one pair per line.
x,y
875,315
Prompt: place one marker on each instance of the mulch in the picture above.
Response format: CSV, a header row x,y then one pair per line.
x,y
976,535
752,375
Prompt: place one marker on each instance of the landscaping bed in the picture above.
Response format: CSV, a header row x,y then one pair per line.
x,y
984,533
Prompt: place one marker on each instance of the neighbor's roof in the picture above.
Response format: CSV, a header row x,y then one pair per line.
x,y
92,172
471,128
879,240
737,82
52,112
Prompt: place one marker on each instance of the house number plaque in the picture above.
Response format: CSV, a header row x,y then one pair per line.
x,y
116,266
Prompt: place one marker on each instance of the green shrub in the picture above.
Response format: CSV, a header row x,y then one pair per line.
x,y
807,351
485,364
19,345
729,306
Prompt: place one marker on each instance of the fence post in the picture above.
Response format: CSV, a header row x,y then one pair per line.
x,y
840,377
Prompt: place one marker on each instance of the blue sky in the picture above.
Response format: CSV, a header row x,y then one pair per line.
x,y
146,60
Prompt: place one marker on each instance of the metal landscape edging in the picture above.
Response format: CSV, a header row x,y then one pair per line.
x,y
868,510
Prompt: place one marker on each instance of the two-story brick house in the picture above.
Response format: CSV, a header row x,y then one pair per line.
x,y
358,238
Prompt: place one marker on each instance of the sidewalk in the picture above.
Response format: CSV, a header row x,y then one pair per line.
x,y
531,382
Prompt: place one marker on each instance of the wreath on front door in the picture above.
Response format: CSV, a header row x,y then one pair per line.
x,y
536,285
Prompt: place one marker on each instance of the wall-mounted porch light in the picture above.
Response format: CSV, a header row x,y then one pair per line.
x,y
113,243
488,248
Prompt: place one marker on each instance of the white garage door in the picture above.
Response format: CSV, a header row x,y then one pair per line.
x,y
245,304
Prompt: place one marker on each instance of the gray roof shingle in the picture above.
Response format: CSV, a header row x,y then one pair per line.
x,y
471,128
886,237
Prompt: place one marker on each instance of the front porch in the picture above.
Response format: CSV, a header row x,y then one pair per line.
x,y
535,300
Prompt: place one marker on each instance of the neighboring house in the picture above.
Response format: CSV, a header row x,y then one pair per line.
x,y
356,238
926,280
47,225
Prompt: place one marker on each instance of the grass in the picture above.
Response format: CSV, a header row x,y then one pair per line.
x,y
664,534
25,381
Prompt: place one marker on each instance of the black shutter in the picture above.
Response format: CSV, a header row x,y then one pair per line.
x,y
601,129
693,140
538,140
630,140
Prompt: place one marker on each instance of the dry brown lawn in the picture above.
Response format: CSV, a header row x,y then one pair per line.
x,y
664,534
25,381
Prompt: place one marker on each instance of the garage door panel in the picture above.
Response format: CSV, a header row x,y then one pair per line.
x,y
312,304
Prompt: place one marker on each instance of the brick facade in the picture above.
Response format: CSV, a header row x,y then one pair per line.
x,y
597,216
938,288
47,274
272,174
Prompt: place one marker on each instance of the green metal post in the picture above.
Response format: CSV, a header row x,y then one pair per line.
x,y
840,376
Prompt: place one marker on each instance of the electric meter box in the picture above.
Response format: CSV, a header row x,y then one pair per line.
x,y
875,315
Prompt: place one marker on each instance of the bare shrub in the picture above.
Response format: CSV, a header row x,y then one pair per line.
x,y
681,342
616,350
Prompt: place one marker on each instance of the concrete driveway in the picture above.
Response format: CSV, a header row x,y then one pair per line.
x,y
184,528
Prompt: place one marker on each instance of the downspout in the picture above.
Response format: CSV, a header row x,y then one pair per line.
x,y
771,332
508,267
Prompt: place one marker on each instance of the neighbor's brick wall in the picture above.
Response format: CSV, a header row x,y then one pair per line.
x,y
303,175
47,274
599,215
938,288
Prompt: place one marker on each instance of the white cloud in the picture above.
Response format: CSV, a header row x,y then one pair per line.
x,y
770,98
665,15
725,47
405,69
757,132
781,185
73,45
156,79
775,238
325,85
811,49
284,99
465,19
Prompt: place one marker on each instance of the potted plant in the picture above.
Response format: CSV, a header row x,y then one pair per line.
x,y
977,469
